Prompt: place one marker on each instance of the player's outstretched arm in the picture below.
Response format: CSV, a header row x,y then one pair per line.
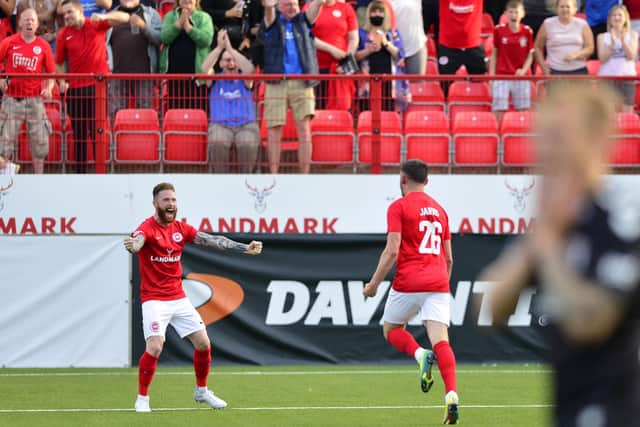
x,y
226,244
134,244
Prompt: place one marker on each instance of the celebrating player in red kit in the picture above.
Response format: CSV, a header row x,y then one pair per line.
x,y
420,241
158,241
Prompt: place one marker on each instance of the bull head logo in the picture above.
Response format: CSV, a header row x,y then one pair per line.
x,y
3,191
520,194
260,195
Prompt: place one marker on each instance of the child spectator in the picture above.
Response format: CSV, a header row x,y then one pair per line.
x,y
512,55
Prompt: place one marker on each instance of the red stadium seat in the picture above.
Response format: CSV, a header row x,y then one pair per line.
x,y
488,25
475,139
185,136
426,96
427,136
468,96
516,131
332,137
57,148
136,134
626,150
164,7
390,137
593,65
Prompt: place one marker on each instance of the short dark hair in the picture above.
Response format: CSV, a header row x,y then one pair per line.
x,y
416,170
161,187
513,4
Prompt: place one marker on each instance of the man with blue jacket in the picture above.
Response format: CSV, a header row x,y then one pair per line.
x,y
289,49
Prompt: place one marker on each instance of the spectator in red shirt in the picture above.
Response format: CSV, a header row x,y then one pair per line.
x,y
82,45
24,52
512,55
459,38
336,36
47,11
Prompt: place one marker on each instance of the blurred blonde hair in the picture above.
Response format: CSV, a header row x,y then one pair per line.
x,y
196,7
625,13
377,5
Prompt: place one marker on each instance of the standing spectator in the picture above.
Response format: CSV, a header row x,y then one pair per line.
x,y
617,52
379,52
289,49
24,52
633,6
568,41
186,35
512,55
597,12
363,18
409,21
459,39
231,109
82,45
133,48
47,11
336,36
227,14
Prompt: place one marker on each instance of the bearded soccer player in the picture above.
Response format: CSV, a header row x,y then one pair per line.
x,y
419,241
584,257
158,241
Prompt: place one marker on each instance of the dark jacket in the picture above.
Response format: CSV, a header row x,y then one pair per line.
x,y
274,46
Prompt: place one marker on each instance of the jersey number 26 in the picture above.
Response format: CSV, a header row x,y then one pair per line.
x,y
431,240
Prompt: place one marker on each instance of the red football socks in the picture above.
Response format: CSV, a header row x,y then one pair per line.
x,y
202,366
403,341
446,364
146,368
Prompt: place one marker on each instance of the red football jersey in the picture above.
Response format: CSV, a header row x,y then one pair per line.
x,y
512,48
85,49
159,258
29,58
332,26
424,226
460,23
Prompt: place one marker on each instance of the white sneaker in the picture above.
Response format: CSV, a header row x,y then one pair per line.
x,y
142,404
204,395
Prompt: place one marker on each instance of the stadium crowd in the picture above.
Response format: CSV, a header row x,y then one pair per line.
x,y
395,37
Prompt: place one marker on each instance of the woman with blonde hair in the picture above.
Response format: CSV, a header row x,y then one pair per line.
x,y
568,41
617,52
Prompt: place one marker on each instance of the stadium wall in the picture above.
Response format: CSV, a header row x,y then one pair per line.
x,y
66,278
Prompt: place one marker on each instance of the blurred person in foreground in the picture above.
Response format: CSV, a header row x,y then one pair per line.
x,y
158,241
419,241
24,52
584,255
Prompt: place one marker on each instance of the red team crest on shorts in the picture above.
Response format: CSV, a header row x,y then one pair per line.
x,y
177,237
155,326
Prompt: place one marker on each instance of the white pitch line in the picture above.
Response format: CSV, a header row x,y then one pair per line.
x,y
278,408
275,373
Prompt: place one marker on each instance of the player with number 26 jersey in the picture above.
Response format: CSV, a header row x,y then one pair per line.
x,y
423,225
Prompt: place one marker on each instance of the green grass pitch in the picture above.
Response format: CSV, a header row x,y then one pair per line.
x,y
503,395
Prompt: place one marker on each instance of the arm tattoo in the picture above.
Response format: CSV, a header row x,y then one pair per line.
x,y
138,242
219,242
